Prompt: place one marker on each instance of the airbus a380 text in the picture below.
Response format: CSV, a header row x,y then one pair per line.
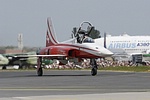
x,y
130,44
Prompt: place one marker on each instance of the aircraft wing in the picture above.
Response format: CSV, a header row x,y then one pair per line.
x,y
118,51
58,55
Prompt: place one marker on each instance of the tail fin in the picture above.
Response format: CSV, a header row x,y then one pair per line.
x,y
50,35
105,40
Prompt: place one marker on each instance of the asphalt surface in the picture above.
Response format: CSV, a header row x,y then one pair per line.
x,y
16,83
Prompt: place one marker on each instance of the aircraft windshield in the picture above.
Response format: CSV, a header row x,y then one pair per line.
x,y
88,40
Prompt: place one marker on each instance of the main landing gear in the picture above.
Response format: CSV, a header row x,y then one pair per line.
x,y
39,67
94,67
92,62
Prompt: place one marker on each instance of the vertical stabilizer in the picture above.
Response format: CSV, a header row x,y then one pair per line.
x,y
50,35
105,40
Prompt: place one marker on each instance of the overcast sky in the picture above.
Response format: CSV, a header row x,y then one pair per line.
x,y
29,18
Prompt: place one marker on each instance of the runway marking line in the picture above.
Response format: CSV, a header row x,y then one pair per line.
x,y
71,89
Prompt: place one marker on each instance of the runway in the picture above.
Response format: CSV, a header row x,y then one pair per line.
x,y
21,83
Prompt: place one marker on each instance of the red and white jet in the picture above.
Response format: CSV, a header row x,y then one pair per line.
x,y
64,51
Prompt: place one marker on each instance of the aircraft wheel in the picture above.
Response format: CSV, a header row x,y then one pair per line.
x,y
40,71
4,67
94,71
22,67
25,67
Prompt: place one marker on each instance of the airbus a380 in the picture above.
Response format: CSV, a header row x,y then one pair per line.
x,y
129,44
65,51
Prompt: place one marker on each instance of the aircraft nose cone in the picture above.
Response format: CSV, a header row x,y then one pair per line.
x,y
107,53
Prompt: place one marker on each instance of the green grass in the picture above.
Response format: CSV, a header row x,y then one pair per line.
x,y
116,68
125,68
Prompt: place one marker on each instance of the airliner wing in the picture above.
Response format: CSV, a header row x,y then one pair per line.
x,y
118,51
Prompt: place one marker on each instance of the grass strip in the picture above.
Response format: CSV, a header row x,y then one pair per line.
x,y
126,68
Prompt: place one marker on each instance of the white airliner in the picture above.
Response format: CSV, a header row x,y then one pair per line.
x,y
130,44
125,44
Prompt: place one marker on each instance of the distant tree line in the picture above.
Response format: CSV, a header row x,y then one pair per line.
x,y
27,49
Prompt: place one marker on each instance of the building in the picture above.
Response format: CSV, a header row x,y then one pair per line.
x,y
10,51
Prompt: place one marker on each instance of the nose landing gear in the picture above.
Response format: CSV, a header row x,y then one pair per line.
x,y
94,67
39,67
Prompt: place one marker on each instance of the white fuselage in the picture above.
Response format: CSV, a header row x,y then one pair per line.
x,y
89,48
93,48
129,44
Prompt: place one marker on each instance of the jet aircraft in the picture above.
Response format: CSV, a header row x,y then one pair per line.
x,y
65,51
130,44
3,60
17,60
125,46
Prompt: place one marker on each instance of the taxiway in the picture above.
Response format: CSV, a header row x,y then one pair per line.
x,y
25,83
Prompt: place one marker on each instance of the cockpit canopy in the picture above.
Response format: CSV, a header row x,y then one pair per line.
x,y
85,28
